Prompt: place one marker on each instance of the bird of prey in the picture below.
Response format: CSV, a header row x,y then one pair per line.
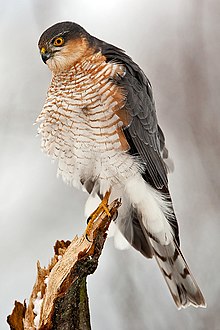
x,y
99,122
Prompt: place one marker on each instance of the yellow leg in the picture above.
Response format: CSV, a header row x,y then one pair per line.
x,y
103,207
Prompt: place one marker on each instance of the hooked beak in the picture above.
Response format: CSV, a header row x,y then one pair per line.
x,y
45,55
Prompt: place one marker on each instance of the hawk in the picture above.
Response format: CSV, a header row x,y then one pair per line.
x,y
99,122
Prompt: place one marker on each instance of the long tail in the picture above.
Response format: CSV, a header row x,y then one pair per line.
x,y
171,262
148,222
181,283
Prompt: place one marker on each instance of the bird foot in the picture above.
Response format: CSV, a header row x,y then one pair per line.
x,y
103,207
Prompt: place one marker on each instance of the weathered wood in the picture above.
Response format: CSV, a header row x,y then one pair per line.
x,y
59,297
15,320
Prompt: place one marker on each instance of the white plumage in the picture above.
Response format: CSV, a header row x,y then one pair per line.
x,y
152,206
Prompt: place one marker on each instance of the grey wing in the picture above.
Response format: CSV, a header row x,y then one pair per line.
x,y
145,133
145,137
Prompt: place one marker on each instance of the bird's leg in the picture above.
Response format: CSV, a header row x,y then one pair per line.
x,y
103,207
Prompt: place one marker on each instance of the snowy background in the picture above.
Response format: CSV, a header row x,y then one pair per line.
x,y
177,45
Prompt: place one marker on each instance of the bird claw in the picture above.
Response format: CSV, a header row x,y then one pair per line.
x,y
103,207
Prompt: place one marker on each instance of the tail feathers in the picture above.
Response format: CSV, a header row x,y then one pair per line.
x,y
135,233
177,274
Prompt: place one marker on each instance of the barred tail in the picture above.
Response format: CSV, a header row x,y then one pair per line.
x,y
180,281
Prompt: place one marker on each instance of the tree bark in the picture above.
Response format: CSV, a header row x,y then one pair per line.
x,y
59,297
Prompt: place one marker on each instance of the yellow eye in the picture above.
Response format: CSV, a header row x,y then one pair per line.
x,y
58,42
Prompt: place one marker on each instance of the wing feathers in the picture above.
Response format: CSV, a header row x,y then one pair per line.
x,y
143,127
151,161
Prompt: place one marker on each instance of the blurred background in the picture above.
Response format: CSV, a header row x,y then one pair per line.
x,y
177,45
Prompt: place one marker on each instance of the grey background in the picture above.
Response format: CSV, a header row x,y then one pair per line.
x,y
177,45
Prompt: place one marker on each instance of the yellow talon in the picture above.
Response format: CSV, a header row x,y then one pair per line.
x,y
103,207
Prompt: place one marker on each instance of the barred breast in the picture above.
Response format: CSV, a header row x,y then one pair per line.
x,y
81,124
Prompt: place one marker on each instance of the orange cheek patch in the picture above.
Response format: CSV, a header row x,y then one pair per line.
x,y
74,50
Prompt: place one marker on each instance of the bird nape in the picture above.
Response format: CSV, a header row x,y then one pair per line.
x,y
99,122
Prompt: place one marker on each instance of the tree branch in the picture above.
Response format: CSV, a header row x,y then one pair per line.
x,y
59,297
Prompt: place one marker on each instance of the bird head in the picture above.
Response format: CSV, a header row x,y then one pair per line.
x,y
63,45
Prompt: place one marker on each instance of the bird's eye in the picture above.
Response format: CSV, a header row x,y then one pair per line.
x,y
58,42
